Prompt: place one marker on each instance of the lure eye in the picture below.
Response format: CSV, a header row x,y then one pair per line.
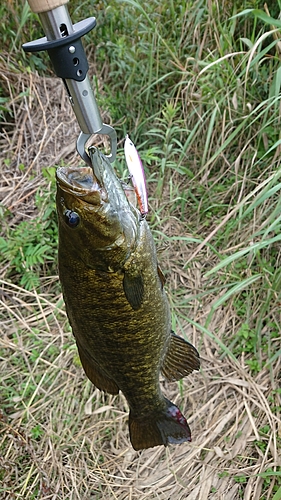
x,y
72,218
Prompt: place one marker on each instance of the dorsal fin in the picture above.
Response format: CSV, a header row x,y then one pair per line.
x,y
161,275
180,360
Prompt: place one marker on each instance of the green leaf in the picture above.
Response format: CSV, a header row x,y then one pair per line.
x,y
241,253
260,14
277,495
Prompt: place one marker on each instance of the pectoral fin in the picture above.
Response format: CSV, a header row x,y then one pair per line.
x,y
95,374
180,360
134,289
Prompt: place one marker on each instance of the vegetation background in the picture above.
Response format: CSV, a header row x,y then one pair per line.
x,y
197,86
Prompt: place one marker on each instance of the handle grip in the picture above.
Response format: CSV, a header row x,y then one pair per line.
x,y
39,6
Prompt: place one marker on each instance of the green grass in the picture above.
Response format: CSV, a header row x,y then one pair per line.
x,y
29,248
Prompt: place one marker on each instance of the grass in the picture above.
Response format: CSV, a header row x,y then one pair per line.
x,y
30,246
197,86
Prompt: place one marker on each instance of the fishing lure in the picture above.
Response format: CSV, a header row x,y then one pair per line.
x,y
136,170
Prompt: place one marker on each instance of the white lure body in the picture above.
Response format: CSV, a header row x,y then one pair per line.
x,y
136,170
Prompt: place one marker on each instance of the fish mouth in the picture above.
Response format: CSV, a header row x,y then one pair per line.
x,y
95,185
79,181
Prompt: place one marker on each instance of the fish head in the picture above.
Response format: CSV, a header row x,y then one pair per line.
x,y
95,216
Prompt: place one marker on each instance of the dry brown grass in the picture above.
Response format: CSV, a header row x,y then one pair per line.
x,y
83,451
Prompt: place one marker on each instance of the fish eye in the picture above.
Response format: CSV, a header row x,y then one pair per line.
x,y
71,218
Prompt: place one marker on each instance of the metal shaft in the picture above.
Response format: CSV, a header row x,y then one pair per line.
x,y
64,46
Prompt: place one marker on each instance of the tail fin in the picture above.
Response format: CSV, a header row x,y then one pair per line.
x,y
165,426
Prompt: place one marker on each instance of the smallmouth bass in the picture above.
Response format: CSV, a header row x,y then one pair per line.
x,y
116,303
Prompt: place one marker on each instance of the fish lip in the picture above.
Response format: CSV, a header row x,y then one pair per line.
x,y
79,181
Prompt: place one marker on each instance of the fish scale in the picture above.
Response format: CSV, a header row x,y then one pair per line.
x,y
116,302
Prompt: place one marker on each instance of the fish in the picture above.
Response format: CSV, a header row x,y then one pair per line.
x,y
116,303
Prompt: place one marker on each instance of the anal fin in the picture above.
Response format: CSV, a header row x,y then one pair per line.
x,y
180,360
95,373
